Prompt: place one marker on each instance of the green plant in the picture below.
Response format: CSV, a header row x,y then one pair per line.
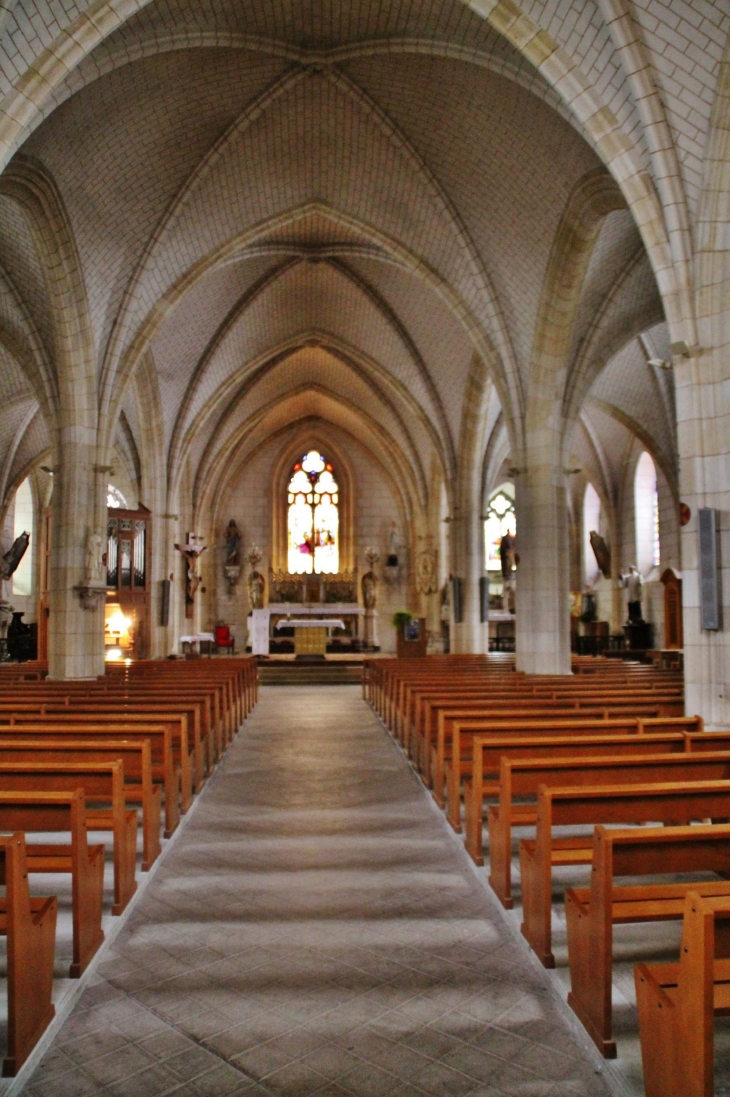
x,y
402,618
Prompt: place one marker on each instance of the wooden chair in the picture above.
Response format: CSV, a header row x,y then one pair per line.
x,y
223,639
30,928
593,912
678,1003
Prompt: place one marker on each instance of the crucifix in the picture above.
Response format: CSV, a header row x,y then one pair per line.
x,y
191,550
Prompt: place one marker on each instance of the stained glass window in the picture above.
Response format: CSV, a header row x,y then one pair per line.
x,y
500,519
313,521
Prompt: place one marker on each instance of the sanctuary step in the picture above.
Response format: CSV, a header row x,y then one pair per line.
x,y
288,673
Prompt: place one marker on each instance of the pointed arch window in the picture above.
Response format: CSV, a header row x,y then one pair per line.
x,y
313,519
500,519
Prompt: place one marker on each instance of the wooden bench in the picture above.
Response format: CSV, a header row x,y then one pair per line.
x,y
521,778
159,735
490,750
669,802
139,784
113,717
102,783
452,757
30,928
593,912
678,1003
65,812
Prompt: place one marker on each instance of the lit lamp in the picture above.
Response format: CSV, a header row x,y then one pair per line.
x,y
117,634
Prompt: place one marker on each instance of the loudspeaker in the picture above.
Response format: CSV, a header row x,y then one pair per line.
x,y
710,588
457,600
165,603
483,598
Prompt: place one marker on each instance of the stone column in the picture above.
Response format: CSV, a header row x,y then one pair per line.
x,y
543,575
467,541
75,633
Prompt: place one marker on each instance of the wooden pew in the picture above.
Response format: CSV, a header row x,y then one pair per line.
x,y
553,739
453,754
139,784
490,750
678,1003
64,812
101,782
165,769
521,778
81,716
667,802
30,928
593,912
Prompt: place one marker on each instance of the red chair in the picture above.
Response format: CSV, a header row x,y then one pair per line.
x,y
223,639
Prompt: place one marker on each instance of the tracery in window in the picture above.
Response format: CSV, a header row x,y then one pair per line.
x,y
500,519
313,521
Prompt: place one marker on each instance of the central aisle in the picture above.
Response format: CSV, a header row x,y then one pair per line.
x,y
315,929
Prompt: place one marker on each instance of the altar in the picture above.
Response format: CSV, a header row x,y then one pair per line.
x,y
298,616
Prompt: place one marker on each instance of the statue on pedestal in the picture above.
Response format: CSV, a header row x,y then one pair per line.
x,y
369,588
256,582
635,586
94,567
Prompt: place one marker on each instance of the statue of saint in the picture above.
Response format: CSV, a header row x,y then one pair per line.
x,y
634,585
369,589
256,590
602,553
11,559
233,545
507,555
393,546
94,564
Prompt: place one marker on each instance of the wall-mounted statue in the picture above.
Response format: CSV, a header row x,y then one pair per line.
x,y
232,563
94,571
393,546
191,552
9,562
602,553
233,544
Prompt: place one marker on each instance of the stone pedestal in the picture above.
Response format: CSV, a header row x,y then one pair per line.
x,y
370,628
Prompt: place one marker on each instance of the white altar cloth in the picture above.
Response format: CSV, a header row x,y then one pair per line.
x,y
310,623
258,622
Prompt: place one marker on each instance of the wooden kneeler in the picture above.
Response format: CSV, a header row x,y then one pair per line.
x,y
30,927
678,1003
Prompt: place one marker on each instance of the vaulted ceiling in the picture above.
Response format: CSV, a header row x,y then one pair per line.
x,y
314,208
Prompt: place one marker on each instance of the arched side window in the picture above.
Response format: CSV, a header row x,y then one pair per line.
x,y
23,522
646,511
114,498
591,521
500,519
313,521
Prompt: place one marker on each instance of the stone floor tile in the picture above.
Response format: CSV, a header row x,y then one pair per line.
x,y
314,930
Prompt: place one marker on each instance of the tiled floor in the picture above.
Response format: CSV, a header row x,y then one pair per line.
x,y
315,930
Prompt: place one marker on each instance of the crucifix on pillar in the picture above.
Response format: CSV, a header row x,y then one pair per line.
x,y
191,550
